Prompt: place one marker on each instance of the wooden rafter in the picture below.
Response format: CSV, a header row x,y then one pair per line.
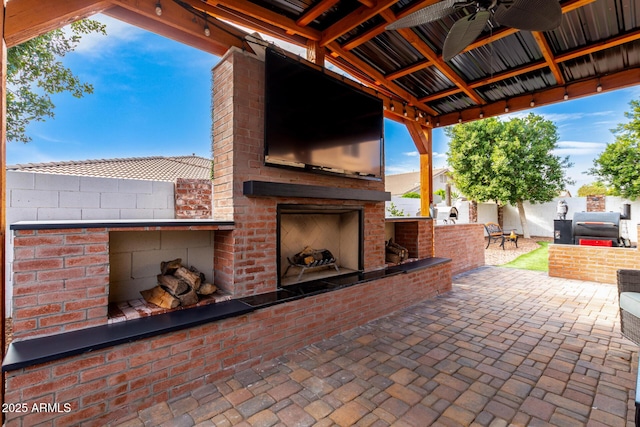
x,y
555,94
348,23
26,19
409,70
268,16
379,77
548,56
246,21
381,28
178,24
317,10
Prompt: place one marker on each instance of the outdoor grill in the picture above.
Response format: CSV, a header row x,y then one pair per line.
x,y
447,214
596,228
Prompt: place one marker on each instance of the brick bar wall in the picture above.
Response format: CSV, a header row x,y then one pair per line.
x,y
462,243
416,236
109,384
60,280
194,199
238,152
591,263
596,203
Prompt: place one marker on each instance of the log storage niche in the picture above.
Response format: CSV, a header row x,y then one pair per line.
x,y
178,285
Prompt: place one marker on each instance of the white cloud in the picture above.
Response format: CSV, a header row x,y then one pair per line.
x,y
579,148
411,154
118,32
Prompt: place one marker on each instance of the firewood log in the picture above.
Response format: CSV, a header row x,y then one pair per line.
x,y
188,298
160,297
173,284
193,279
207,289
198,272
168,267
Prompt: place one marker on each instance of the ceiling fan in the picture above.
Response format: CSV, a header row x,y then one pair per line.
x,y
529,15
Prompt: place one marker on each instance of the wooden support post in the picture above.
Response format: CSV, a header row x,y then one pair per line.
x,y
426,184
315,52
3,187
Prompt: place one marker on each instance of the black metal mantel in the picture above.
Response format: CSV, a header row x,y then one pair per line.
x,y
281,189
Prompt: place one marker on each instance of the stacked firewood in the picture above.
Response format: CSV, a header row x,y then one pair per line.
x,y
395,253
178,286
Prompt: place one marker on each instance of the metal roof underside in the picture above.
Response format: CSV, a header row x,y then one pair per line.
x,y
596,41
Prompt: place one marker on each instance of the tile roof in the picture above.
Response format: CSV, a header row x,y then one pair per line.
x,y
156,168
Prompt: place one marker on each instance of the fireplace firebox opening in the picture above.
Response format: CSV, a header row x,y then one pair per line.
x,y
329,237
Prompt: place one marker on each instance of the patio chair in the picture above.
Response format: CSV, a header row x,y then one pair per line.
x,y
629,299
494,233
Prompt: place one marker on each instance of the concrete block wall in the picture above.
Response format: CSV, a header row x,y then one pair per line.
x,y
42,197
134,258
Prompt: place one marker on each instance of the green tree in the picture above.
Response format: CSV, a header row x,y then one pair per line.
x,y
507,162
593,189
618,164
34,73
411,195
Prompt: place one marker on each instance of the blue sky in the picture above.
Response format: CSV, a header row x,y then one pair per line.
x,y
153,97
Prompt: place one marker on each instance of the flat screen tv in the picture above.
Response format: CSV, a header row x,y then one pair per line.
x,y
318,123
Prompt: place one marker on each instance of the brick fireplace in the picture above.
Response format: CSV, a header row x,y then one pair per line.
x,y
67,352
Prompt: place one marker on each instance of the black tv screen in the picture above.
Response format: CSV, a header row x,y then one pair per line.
x,y
317,122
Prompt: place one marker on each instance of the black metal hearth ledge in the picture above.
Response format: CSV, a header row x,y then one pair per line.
x,y
33,351
281,189
120,223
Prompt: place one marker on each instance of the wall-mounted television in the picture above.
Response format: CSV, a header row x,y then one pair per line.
x,y
319,123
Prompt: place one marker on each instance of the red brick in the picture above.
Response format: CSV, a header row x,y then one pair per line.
x,y
78,364
66,273
94,237
37,264
36,241
37,391
102,371
82,304
86,260
42,310
58,251
61,319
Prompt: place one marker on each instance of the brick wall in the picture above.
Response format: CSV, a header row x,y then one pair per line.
x,y
238,153
596,203
193,198
60,280
592,263
462,243
415,235
109,384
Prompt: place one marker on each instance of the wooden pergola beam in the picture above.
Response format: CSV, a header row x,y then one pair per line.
x,y
178,24
317,10
360,15
26,19
587,87
409,70
548,56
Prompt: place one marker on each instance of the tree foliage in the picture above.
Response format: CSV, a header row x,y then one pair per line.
x,y
618,164
594,189
507,162
35,72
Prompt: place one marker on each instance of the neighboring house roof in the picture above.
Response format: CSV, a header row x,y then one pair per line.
x,y
155,168
403,183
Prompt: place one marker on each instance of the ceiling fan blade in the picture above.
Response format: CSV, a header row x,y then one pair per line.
x,y
428,14
463,32
530,15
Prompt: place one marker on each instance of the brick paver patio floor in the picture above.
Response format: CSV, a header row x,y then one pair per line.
x,y
504,347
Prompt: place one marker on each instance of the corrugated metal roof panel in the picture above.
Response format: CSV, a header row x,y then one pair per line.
x,y
452,103
390,51
502,55
425,82
603,62
514,86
